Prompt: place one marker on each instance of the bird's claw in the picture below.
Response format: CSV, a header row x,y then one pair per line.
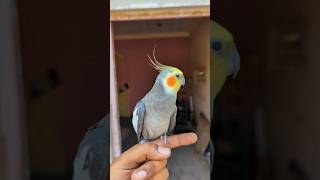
x,y
164,138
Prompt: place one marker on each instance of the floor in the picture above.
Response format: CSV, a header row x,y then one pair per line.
x,y
186,164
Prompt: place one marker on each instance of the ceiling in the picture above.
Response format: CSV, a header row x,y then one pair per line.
x,y
142,4
155,28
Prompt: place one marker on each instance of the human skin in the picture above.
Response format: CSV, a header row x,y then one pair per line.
x,y
148,160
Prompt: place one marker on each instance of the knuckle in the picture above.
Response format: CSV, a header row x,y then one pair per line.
x,y
148,147
151,146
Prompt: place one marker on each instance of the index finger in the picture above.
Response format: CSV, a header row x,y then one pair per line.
x,y
140,153
178,140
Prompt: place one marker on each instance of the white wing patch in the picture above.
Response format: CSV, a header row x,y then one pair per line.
x,y
135,119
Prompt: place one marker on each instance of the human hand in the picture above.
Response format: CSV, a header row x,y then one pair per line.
x,y
148,160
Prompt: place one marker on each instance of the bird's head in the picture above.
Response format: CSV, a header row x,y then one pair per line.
x,y
224,49
170,77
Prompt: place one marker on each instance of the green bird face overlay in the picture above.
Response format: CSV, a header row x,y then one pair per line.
x,y
224,49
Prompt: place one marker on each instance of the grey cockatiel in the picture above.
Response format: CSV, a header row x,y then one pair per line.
x,y
155,114
91,161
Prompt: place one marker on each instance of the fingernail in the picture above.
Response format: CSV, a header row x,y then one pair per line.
x,y
164,150
141,174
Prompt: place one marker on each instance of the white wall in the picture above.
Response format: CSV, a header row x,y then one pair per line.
x,y
142,4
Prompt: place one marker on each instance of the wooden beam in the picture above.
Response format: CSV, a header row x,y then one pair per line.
x,y
151,35
162,13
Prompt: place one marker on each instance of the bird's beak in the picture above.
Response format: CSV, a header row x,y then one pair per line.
x,y
234,63
183,81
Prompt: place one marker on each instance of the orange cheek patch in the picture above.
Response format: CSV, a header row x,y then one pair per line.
x,y
171,81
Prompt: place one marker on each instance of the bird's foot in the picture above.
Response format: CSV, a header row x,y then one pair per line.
x,y
164,139
142,141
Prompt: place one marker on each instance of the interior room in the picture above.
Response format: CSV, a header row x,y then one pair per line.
x,y
181,43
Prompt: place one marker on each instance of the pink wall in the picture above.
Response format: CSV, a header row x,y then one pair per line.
x,y
134,68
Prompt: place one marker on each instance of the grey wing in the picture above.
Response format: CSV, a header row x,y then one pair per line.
x,y
91,160
172,121
138,118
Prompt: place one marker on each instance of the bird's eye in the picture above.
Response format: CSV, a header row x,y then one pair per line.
x,y
216,45
177,75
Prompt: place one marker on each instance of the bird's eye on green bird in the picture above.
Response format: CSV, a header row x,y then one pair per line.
x,y
216,45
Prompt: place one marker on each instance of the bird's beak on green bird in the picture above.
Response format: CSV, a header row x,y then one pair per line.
x,y
234,63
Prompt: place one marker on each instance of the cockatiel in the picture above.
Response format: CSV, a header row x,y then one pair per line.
x,y
155,114
225,59
91,161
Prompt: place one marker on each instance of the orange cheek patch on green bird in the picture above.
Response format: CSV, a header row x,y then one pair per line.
x,y
171,81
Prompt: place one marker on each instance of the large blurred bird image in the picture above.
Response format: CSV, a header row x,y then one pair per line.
x,y
225,59
91,161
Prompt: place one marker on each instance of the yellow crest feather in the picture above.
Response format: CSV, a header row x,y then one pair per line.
x,y
157,65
